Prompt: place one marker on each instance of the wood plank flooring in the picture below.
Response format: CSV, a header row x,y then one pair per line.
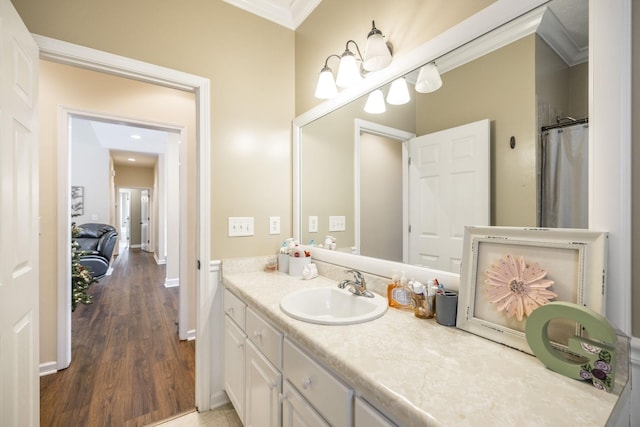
x,y
128,366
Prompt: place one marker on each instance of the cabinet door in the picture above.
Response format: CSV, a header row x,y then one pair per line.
x,y
234,365
264,383
297,412
367,416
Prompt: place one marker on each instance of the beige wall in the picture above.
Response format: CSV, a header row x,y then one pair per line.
x,y
499,86
128,176
250,63
88,91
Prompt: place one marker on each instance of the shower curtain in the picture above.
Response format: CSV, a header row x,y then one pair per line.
x,y
564,177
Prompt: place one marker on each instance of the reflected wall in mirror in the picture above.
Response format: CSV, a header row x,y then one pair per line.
x,y
519,86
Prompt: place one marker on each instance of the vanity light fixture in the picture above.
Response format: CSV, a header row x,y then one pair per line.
x,y
398,92
348,70
326,87
351,68
375,103
428,79
377,54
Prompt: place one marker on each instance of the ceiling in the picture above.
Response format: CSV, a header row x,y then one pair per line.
x,y
288,13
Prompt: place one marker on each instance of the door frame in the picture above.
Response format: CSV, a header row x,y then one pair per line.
x,y
402,136
83,57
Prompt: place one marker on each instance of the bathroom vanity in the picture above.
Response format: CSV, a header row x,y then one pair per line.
x,y
394,370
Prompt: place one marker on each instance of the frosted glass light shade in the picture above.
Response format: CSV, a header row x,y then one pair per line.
x,y
375,103
428,79
326,87
377,54
348,71
398,92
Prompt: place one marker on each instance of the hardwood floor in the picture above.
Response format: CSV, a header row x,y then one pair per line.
x,y
128,367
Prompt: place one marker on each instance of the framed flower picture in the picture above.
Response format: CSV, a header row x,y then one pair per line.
x,y
507,272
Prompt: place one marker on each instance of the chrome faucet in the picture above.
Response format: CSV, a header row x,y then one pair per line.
x,y
358,286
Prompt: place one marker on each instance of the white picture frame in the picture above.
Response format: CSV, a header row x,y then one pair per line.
x,y
575,259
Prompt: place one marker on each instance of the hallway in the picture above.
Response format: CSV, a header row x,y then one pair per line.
x,y
128,367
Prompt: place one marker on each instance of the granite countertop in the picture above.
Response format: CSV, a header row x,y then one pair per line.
x,y
426,374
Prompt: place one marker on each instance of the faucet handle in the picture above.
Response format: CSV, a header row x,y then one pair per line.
x,y
357,275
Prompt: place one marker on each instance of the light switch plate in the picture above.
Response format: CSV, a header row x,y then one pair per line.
x,y
313,224
337,223
240,226
274,225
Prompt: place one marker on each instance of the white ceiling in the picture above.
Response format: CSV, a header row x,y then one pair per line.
x,y
288,13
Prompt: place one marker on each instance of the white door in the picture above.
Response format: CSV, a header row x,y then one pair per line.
x,y
296,411
144,220
449,187
19,331
125,218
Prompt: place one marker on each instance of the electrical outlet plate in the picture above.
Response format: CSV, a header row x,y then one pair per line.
x,y
337,223
240,226
274,225
313,224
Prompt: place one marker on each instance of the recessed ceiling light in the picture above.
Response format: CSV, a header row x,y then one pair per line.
x,y
131,159
135,136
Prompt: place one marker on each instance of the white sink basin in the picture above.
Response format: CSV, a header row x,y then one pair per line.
x,y
332,306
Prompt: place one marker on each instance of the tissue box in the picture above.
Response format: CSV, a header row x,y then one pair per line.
x,y
296,264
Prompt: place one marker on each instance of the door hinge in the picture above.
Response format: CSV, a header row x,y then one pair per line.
x,y
409,229
198,264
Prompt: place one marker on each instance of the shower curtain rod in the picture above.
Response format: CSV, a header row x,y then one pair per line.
x,y
568,121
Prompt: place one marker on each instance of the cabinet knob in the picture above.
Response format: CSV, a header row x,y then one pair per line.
x,y
257,334
306,383
230,310
240,344
282,397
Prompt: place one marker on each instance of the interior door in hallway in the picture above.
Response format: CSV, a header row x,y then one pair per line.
x,y
19,234
144,221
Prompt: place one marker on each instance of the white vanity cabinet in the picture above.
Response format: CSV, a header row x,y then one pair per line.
x,y
330,397
234,352
263,376
297,412
367,416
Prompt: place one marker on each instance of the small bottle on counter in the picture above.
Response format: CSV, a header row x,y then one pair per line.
x,y
423,304
398,292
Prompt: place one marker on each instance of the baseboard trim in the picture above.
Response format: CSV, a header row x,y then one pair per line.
x,y
48,368
219,399
191,335
172,283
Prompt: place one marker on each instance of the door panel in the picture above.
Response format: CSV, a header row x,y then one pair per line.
x,y
19,355
449,187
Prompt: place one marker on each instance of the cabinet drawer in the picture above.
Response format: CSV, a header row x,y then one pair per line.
x,y
265,337
234,308
331,398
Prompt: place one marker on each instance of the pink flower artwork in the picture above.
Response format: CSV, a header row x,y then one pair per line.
x,y
518,288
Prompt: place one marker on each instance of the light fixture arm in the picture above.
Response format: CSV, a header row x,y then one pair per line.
x,y
326,61
346,49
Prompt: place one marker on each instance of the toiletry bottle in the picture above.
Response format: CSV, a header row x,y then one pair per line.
x,y
397,292
421,307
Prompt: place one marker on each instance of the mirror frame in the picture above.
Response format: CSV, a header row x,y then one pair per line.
x,y
610,120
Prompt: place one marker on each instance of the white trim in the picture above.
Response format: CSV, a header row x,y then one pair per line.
x,y
365,126
67,53
48,368
171,283
610,152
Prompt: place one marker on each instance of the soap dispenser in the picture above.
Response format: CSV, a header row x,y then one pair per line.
x,y
398,292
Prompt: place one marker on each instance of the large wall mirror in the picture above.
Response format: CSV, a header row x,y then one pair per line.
x,y
525,72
